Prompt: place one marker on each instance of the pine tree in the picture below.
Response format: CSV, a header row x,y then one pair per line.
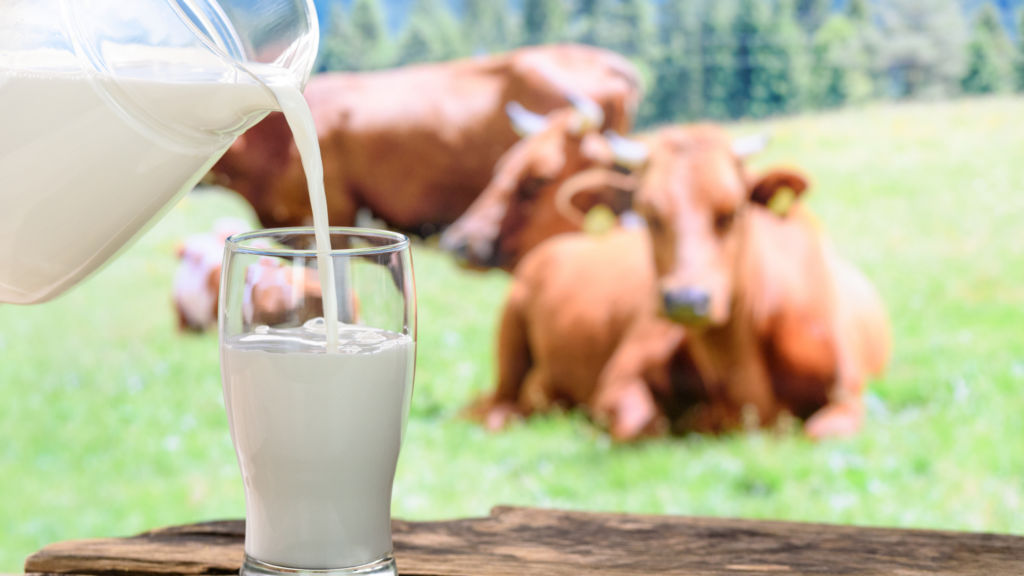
x,y
597,22
677,95
812,14
544,21
625,26
749,89
369,32
834,61
335,52
923,46
1018,62
431,35
868,79
487,26
638,32
358,40
781,82
988,55
719,61
858,11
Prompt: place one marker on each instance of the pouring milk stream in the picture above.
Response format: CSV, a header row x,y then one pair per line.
x,y
296,111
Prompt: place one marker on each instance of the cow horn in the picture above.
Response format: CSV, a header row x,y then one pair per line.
x,y
749,145
592,112
524,122
587,180
628,153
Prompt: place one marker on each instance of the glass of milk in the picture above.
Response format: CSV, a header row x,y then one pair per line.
x,y
317,422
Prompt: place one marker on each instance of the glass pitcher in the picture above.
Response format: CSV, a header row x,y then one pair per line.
x,y
110,110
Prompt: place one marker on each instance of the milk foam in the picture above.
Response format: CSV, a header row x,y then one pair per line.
x,y
317,436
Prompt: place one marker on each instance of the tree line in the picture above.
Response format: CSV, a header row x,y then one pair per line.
x,y
716,59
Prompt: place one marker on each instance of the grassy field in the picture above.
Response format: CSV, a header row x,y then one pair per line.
x,y
112,422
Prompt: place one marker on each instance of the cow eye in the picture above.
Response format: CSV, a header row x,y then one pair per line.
x,y
531,186
724,221
654,224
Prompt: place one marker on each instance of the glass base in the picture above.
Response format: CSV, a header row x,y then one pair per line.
x,y
383,567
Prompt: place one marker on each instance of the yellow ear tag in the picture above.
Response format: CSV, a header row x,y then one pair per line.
x,y
599,220
782,201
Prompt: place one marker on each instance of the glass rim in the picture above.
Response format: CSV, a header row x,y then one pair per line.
x,y
234,243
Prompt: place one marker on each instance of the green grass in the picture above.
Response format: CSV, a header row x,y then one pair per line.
x,y
112,422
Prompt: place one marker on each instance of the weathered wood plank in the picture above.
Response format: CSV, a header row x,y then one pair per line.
x,y
517,541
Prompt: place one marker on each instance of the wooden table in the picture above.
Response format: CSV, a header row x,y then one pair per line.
x,y
522,541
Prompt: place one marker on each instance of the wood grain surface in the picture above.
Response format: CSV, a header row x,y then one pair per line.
x,y
520,541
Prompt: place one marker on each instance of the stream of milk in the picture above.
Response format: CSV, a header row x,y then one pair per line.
x,y
296,111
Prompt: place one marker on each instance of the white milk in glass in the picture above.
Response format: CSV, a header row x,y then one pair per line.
x,y
317,435
317,415
82,171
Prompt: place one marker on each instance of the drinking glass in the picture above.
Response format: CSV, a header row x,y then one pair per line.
x,y
317,428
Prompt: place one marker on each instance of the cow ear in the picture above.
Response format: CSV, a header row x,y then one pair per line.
x,y
778,190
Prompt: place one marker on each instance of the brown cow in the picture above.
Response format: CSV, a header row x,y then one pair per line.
x,y
280,294
728,313
197,279
274,293
417,145
517,210
571,302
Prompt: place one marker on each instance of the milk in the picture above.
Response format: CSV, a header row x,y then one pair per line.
x,y
317,414
87,161
317,436
296,112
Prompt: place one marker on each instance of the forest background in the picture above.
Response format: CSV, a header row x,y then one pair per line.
x,y
712,59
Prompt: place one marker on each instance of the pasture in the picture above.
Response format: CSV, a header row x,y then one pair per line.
x,y
112,423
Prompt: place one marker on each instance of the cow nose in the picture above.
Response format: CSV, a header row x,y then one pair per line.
x,y
687,305
466,253
458,248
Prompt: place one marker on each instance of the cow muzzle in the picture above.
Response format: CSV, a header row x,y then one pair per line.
x,y
469,254
688,306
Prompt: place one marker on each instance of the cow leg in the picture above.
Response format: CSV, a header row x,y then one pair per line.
x,y
624,400
183,325
536,394
864,342
514,363
838,420
844,412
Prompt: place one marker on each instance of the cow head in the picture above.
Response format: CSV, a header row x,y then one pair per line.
x,y
517,209
696,197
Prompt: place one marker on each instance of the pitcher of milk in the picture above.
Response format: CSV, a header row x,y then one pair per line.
x,y
110,110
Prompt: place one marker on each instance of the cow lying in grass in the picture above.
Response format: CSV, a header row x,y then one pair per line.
x,y
274,293
721,314
197,279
